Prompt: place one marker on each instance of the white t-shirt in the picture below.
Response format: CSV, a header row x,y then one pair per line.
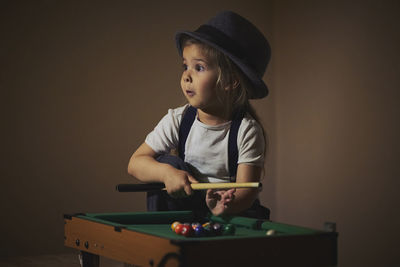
x,y
206,149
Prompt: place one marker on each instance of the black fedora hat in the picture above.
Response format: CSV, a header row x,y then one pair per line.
x,y
241,41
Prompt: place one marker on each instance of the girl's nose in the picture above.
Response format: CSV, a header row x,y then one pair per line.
x,y
187,78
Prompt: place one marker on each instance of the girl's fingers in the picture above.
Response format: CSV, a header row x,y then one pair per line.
x,y
228,193
227,201
187,189
231,191
214,194
228,196
210,192
192,179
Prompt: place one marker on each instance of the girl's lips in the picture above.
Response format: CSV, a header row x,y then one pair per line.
x,y
189,93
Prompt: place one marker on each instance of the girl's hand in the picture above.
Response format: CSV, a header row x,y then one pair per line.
x,y
218,201
177,183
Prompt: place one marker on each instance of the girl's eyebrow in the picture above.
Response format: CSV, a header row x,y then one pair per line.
x,y
200,59
196,59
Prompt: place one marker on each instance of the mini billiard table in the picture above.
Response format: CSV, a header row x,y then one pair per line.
x,y
146,239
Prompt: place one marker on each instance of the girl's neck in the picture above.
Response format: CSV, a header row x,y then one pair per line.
x,y
212,118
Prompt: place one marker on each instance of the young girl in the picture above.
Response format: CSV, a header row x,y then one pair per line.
x,y
217,133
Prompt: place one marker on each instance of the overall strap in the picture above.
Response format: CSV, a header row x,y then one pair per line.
x,y
233,154
184,129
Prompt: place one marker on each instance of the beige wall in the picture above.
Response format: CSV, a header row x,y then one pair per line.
x,y
337,80
82,84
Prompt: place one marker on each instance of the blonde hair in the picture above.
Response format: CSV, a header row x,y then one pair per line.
x,y
232,86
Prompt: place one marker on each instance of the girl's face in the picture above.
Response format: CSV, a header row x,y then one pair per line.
x,y
199,78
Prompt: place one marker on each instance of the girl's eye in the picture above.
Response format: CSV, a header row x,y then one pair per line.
x,y
199,67
184,66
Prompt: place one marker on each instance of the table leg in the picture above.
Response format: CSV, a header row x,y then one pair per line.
x,y
89,259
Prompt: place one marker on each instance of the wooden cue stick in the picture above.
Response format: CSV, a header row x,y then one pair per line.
x,y
197,186
205,186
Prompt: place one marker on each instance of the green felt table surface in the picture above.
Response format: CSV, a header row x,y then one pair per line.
x,y
159,224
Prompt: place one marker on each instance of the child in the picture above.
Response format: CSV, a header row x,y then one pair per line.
x,y
217,133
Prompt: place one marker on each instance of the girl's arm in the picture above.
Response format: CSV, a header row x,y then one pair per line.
x,y
146,168
236,201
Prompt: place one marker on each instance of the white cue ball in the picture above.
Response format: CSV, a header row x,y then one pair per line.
x,y
271,232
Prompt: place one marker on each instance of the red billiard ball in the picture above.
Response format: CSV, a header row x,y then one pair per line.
x,y
178,228
187,230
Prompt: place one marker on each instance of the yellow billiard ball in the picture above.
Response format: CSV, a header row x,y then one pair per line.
x,y
206,224
174,224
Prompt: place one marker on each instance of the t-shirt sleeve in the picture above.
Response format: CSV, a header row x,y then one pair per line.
x,y
251,143
165,136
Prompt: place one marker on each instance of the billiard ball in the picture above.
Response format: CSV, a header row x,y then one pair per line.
x,y
178,228
213,229
194,225
174,224
206,224
187,230
207,229
229,229
271,232
199,231
217,228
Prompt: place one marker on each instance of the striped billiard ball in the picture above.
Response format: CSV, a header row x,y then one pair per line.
x,y
187,230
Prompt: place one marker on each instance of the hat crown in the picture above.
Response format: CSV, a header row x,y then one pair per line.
x,y
255,49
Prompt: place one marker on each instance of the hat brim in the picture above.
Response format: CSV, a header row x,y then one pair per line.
x,y
260,88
